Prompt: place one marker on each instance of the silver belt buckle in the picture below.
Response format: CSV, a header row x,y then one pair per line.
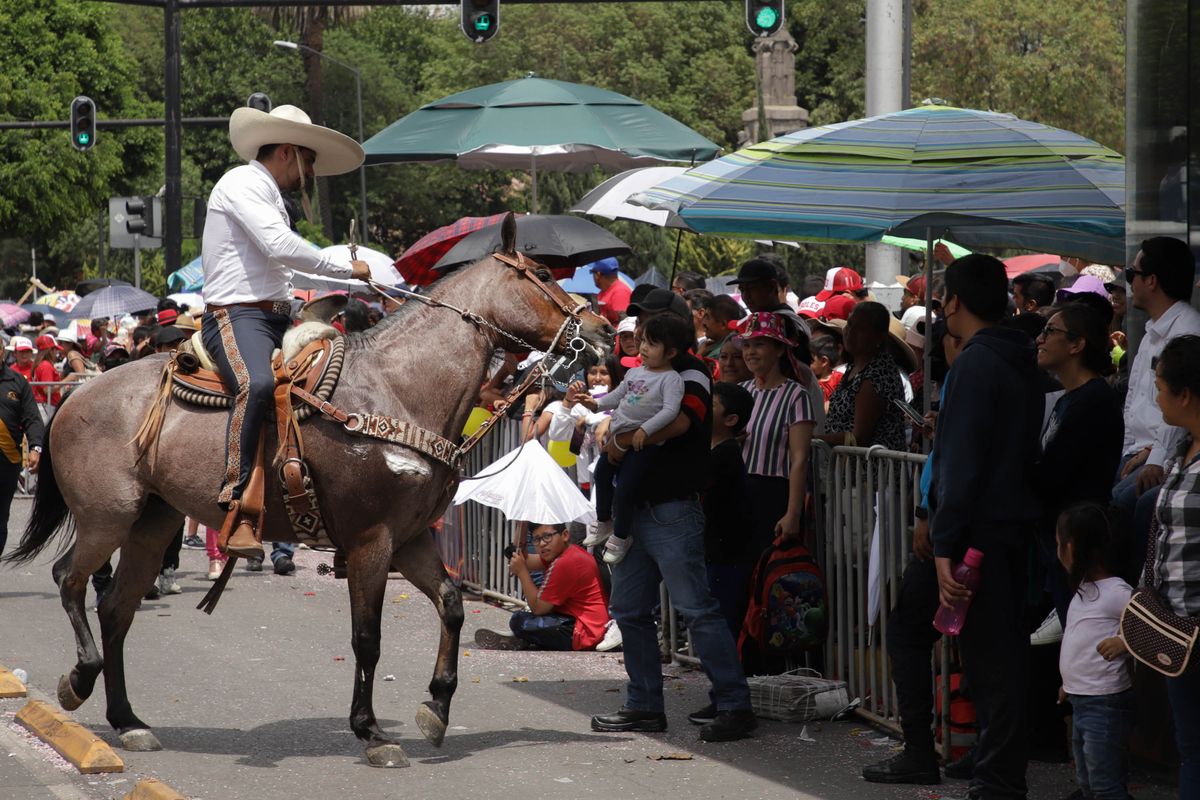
x,y
282,307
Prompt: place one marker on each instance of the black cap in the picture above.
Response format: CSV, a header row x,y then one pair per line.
x,y
167,335
640,291
659,300
756,270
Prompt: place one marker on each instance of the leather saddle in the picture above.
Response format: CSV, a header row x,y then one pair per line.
x,y
305,369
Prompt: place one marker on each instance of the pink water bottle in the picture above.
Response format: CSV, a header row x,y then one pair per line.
x,y
950,620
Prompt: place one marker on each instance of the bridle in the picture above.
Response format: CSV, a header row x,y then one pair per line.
x,y
569,332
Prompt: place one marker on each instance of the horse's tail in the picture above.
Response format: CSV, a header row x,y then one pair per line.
x,y
50,512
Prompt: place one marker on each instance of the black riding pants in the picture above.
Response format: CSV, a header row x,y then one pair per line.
x,y
240,341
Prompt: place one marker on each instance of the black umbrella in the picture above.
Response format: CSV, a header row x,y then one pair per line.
x,y
560,242
93,284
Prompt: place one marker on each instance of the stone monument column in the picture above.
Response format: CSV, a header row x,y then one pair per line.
x,y
775,65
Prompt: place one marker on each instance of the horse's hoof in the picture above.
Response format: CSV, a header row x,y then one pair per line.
x,y
387,755
431,725
66,694
140,740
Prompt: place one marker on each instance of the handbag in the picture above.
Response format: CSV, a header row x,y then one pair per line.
x,y
1154,635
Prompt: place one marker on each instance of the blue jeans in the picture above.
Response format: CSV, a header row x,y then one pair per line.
x,y
1184,695
1140,509
1101,728
668,546
279,549
544,631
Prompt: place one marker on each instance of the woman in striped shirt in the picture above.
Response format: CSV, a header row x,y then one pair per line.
x,y
780,428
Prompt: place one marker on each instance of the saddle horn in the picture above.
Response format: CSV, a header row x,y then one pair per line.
x,y
324,309
508,235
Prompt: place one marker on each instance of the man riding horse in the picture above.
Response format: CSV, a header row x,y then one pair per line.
x,y
249,252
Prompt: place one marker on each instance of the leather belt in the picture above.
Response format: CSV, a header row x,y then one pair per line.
x,y
281,307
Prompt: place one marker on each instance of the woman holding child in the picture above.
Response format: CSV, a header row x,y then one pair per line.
x,y
779,431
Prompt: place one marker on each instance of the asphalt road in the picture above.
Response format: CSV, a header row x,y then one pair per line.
x,y
252,702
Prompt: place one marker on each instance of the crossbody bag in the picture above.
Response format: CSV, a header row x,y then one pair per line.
x,y
1155,635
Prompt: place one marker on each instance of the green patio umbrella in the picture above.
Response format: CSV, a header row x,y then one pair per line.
x,y
536,123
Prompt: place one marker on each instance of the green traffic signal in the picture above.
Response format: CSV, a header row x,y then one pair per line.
x,y
766,18
83,139
482,23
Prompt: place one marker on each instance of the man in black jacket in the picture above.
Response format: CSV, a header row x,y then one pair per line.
x,y
982,496
19,418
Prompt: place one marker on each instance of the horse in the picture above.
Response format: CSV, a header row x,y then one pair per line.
x,y
424,364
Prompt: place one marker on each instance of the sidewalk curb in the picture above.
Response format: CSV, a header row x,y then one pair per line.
x,y
89,753
153,789
10,686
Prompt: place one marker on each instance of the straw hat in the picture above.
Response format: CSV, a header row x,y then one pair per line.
x,y
898,347
250,129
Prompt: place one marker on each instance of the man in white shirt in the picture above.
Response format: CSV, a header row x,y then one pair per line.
x,y
248,255
1160,283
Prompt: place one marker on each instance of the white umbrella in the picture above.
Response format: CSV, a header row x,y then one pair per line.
x,y
527,484
608,200
192,300
381,264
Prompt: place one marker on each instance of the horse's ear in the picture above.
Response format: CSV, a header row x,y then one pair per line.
x,y
508,235
325,309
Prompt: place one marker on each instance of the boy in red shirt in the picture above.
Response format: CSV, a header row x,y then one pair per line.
x,y
22,351
570,612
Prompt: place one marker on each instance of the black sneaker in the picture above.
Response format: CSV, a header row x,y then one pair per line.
x,y
904,767
284,565
704,715
729,726
490,640
626,720
964,768
254,564
194,542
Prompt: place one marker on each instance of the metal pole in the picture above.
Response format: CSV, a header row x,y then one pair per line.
x,y
885,84
137,261
33,259
362,168
927,300
173,213
100,231
533,162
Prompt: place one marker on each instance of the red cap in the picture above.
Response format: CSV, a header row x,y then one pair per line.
x,y
46,342
840,279
839,307
916,287
167,316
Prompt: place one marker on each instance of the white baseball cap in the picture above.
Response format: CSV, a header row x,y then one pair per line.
x,y
18,344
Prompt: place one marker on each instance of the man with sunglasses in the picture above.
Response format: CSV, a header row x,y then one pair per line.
x,y
568,612
248,254
1160,283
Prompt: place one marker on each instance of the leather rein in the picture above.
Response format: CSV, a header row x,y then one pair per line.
x,y
405,433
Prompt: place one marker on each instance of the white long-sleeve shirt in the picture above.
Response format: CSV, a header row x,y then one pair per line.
x,y
249,248
1144,426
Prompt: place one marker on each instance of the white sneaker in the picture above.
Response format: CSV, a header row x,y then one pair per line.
x,y
615,549
599,534
612,637
215,567
1049,632
167,583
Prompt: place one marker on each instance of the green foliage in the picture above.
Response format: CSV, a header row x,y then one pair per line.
x,y
1055,61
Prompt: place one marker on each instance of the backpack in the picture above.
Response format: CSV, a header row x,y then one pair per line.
x,y
788,613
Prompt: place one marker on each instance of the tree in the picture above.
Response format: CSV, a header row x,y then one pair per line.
x,y
49,53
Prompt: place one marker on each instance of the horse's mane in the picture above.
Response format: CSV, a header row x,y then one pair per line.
x,y
368,338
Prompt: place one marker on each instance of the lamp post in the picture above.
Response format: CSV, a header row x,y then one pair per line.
x,y
362,169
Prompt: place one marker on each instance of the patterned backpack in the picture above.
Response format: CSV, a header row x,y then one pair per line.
x,y
788,613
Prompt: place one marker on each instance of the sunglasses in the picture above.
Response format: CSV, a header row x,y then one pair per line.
x,y
1130,272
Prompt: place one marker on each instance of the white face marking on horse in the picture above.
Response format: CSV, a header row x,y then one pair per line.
x,y
403,464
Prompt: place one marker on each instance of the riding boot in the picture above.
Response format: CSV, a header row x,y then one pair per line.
x,y
243,523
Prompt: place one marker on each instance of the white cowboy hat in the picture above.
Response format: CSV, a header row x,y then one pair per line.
x,y
250,129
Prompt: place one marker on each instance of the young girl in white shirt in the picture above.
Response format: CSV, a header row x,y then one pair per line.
x,y
1094,662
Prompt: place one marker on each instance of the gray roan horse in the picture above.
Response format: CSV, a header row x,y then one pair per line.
x,y
422,364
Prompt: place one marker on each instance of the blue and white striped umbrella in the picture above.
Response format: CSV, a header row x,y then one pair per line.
x,y
994,179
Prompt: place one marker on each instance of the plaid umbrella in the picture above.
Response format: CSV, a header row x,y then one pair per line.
x,y
115,301
12,314
416,264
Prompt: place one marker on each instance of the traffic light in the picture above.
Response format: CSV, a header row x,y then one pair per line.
x,y
764,17
83,123
135,216
480,19
260,101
